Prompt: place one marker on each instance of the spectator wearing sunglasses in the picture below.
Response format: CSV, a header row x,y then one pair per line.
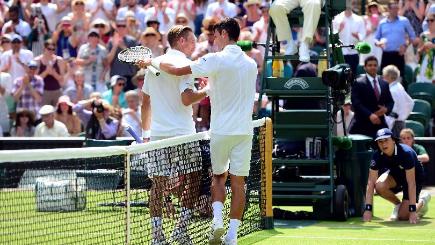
x,y
151,38
116,96
103,29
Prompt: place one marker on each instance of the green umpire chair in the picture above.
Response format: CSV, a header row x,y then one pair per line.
x,y
421,112
417,127
423,91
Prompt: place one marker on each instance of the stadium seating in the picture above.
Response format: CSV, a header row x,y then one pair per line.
x,y
417,127
424,91
421,112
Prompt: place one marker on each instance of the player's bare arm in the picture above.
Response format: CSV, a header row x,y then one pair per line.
x,y
410,178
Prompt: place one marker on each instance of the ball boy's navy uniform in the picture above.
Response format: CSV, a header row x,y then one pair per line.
x,y
404,158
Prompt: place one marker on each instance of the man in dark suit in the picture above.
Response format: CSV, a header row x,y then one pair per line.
x,y
371,100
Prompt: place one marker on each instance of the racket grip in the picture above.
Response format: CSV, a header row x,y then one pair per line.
x,y
134,135
154,70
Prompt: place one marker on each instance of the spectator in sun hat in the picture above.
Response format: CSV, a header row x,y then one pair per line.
x,y
50,127
119,41
401,172
28,89
138,81
14,60
65,114
103,29
253,12
348,117
115,95
206,43
260,27
150,38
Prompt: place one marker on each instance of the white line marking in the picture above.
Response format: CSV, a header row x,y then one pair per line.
x,y
347,238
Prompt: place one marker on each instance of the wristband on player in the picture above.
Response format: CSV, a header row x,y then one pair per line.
x,y
412,208
368,207
146,134
155,63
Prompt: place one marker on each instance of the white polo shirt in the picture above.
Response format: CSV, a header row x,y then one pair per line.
x,y
169,117
231,76
58,130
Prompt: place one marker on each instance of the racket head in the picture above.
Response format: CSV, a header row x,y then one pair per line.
x,y
133,54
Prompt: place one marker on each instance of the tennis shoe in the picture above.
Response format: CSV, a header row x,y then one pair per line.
x,y
180,236
425,198
290,48
159,239
227,241
395,214
304,52
216,234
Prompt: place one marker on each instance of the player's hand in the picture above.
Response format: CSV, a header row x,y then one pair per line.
x,y
143,63
413,218
367,216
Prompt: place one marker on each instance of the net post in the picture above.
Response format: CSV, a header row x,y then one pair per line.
x,y
127,199
268,146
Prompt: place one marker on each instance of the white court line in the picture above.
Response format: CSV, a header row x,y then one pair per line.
x,y
353,227
347,238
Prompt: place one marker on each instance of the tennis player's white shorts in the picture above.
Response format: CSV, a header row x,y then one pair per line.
x,y
231,152
175,160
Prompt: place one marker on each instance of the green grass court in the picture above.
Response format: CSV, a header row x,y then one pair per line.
x,y
105,224
354,231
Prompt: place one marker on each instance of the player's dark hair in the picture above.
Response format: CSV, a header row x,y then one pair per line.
x,y
370,58
231,26
176,32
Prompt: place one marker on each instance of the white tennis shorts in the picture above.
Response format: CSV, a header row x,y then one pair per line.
x,y
231,152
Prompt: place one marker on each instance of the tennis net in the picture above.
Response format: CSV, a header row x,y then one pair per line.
x,y
104,195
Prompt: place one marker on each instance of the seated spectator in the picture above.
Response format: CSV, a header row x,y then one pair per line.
x,y
98,123
138,80
131,115
407,137
348,117
65,115
23,126
79,90
116,96
28,90
49,127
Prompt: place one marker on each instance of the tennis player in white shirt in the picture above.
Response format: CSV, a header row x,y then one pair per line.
x,y
164,115
231,76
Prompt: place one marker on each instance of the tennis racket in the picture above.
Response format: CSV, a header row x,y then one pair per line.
x,y
134,54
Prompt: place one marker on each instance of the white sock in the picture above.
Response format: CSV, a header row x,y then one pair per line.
x,y
232,230
156,224
185,215
217,213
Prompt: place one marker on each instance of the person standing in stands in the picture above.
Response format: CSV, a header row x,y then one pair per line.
x,y
391,36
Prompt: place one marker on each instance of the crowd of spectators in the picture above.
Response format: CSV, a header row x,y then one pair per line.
x,y
63,53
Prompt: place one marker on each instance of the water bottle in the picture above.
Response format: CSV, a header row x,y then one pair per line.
x,y
278,68
322,65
